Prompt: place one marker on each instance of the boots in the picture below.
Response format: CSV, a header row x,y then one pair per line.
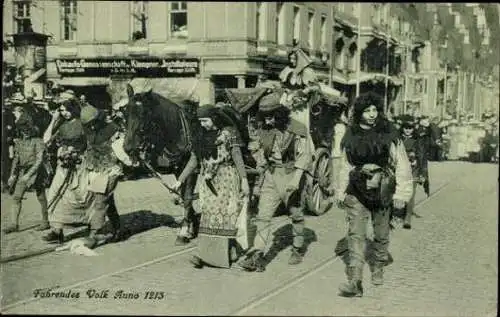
x,y
11,229
254,261
183,237
197,262
378,274
296,257
354,286
54,236
91,239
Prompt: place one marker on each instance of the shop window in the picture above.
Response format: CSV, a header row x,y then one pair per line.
x,y
355,9
139,18
69,19
296,24
280,25
22,16
222,82
310,30
323,33
260,21
377,14
178,19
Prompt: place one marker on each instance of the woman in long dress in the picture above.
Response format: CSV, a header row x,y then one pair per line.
x,y
66,132
222,185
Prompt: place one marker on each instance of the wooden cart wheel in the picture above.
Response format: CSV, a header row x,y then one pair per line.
x,y
318,199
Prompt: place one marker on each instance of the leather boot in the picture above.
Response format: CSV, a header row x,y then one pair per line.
x,y
54,236
183,236
354,286
253,262
296,257
378,274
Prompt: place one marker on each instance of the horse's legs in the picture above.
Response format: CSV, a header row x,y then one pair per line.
x,y
190,221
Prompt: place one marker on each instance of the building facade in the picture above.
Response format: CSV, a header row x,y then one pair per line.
x,y
199,48
189,48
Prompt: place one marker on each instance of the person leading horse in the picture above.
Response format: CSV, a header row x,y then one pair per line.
x,y
161,128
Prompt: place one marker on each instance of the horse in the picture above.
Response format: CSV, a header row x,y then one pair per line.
x,y
165,131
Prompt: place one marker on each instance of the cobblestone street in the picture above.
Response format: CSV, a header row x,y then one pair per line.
x,y
445,266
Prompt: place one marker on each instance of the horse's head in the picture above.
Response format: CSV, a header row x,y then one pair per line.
x,y
138,110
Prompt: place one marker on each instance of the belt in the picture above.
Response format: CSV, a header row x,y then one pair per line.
x,y
287,166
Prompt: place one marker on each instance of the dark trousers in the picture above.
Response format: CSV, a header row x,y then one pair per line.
x,y
6,164
20,190
411,205
189,226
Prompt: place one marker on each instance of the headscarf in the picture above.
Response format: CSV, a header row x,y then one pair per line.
x,y
72,107
140,86
221,120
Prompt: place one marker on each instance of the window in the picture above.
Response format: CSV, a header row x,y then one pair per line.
x,y
296,23
310,30
355,9
352,58
69,17
139,17
339,54
323,32
178,19
280,27
260,21
22,16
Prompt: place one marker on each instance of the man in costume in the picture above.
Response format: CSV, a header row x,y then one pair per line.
x,y
283,159
428,139
27,170
375,174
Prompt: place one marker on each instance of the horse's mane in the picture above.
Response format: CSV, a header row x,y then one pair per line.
x,y
165,122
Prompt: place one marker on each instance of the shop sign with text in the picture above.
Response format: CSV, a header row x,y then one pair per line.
x,y
146,67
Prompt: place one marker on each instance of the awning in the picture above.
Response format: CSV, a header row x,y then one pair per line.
x,y
83,81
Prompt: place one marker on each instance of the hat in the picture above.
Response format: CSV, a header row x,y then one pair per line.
x,y
270,102
88,114
120,104
141,85
67,95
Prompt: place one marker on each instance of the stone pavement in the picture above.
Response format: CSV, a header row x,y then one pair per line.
x,y
131,197
432,274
